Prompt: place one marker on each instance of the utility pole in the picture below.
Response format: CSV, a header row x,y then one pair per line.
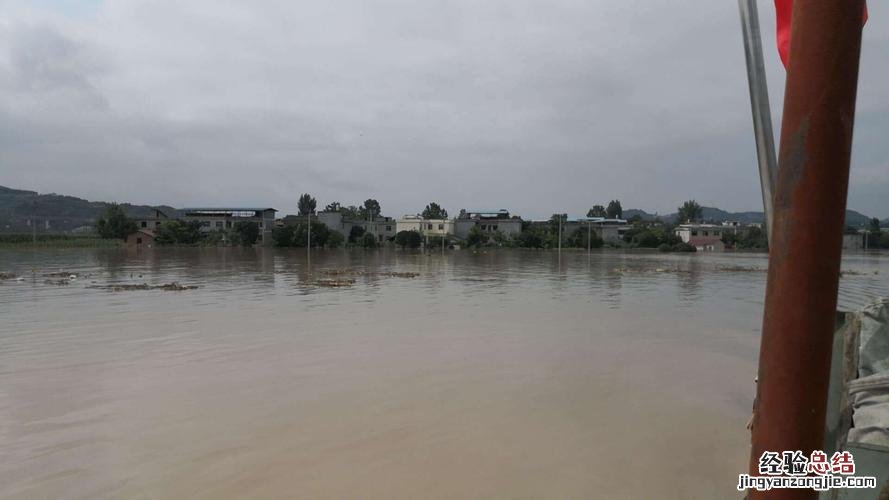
x,y
807,233
759,105
589,234
309,238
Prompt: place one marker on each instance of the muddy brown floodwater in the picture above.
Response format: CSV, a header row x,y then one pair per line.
x,y
504,374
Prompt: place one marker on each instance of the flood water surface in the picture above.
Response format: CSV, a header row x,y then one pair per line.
x,y
503,374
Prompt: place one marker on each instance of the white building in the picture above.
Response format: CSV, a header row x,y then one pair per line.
x,y
426,227
688,231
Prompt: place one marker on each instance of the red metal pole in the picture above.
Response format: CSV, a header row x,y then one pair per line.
x,y
810,202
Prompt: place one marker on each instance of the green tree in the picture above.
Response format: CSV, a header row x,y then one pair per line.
x,y
351,212
434,211
332,207
296,235
283,236
690,211
530,238
597,211
614,210
368,241
246,233
355,234
476,237
371,209
436,242
114,223
306,204
177,232
408,239
335,239
578,239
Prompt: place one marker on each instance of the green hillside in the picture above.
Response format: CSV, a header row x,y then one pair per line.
x,y
54,212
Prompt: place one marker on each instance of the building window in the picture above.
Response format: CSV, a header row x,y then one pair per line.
x,y
429,226
138,241
494,227
441,227
219,224
144,224
157,224
228,223
205,223
484,227
388,228
694,232
260,225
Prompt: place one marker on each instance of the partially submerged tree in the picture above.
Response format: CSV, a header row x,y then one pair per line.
x,y
368,241
408,239
476,237
114,223
245,232
355,234
177,232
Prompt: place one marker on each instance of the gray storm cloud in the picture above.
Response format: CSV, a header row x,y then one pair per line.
x,y
532,106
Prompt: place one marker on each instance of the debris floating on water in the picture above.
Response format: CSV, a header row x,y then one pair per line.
x,y
850,272
360,272
741,269
333,283
62,274
169,287
7,276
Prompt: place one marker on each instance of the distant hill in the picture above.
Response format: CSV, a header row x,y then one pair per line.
x,y
54,212
853,218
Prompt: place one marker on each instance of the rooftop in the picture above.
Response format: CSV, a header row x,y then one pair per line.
x,y
227,209
704,240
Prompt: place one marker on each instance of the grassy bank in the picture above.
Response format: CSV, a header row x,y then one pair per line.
x,y
56,241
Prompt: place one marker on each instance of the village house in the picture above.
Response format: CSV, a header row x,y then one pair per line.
x,y
216,219
142,238
707,243
426,227
488,222
608,230
705,237
153,221
383,228
688,231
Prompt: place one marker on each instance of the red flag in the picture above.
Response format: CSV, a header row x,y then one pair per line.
x,y
784,10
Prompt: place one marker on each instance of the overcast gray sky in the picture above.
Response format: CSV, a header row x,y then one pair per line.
x,y
535,106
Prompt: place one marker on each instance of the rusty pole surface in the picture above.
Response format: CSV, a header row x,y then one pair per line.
x,y
810,202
